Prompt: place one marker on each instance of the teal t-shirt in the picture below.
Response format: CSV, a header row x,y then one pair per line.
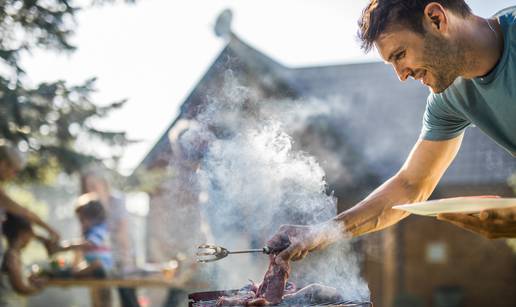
x,y
488,102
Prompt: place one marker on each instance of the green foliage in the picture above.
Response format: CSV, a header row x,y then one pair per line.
x,y
27,200
47,119
27,24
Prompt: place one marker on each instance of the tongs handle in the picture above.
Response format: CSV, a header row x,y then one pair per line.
x,y
265,250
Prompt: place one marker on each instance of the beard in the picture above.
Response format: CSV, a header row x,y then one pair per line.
x,y
444,59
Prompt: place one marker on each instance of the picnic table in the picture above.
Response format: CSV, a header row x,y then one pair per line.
x,y
115,282
157,280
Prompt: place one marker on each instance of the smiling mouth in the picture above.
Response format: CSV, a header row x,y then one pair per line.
x,y
421,77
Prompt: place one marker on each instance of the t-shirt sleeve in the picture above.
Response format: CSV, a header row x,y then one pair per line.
x,y
440,121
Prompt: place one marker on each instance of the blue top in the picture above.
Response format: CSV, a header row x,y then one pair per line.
x,y
98,236
488,102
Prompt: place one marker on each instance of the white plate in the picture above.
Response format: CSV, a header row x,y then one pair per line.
x,y
457,205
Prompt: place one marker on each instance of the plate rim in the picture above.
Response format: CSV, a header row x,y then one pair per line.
x,y
503,204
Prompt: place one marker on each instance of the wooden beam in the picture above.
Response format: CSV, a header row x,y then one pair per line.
x,y
127,283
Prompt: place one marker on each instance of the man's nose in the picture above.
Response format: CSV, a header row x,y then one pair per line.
x,y
402,72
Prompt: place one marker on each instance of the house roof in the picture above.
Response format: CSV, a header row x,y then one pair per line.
x,y
240,58
384,121
381,117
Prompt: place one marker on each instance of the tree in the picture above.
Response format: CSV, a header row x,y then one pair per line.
x,y
47,119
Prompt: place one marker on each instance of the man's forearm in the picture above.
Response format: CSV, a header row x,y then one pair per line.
x,y
417,178
375,212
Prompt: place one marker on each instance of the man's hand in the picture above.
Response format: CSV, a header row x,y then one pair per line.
x,y
296,241
492,224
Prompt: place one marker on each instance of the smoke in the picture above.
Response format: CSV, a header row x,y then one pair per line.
x,y
256,172
337,266
254,179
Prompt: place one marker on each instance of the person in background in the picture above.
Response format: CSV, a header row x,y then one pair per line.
x,y
94,181
179,200
14,286
94,245
11,162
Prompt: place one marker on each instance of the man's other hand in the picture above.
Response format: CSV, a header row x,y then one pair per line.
x,y
492,224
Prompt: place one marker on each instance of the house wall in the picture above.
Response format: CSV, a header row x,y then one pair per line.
x,y
158,249
379,265
482,271
392,258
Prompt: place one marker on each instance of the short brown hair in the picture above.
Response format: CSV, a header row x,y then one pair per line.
x,y
380,14
89,207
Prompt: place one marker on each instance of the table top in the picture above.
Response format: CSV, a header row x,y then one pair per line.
x,y
115,282
168,279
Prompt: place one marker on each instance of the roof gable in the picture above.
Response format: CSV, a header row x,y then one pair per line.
x,y
377,115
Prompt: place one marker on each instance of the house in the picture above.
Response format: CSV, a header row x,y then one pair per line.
x,y
420,261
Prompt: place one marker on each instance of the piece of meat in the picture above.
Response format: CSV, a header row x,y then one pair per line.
x,y
260,301
236,301
239,299
269,292
273,285
242,299
313,294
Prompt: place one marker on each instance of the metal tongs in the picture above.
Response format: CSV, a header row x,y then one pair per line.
x,y
209,252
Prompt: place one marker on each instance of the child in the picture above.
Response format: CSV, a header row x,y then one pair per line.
x,y
94,245
13,285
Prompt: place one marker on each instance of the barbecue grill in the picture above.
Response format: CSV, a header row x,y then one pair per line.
x,y
209,299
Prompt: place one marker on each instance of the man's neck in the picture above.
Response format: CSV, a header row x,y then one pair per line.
x,y
484,41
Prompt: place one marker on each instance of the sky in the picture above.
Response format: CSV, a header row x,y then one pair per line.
x,y
155,51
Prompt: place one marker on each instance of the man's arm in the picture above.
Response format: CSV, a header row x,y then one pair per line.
x,y
415,181
11,206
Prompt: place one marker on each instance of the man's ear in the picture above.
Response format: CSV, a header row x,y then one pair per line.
x,y
435,17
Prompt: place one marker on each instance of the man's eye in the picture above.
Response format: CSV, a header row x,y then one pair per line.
x,y
400,55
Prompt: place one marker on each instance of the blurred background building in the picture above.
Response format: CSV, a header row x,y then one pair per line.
x,y
375,120
366,124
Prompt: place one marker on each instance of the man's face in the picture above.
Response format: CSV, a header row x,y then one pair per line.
x,y
430,58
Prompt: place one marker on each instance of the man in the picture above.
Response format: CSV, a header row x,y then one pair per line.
x,y
469,63
11,162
